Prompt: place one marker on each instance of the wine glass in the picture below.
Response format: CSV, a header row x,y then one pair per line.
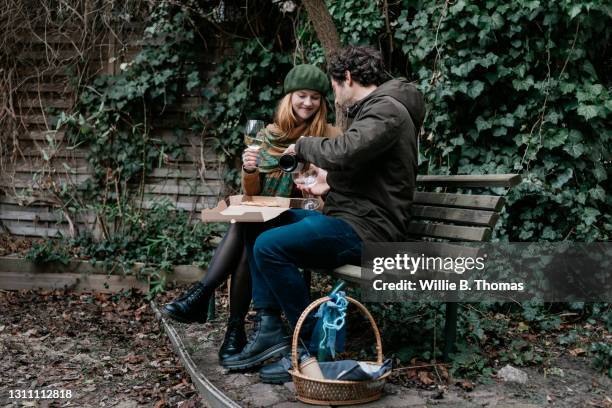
x,y
307,177
251,129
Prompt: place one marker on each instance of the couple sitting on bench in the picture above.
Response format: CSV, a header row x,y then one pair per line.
x,y
368,185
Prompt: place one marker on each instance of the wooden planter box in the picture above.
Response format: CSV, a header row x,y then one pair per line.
x,y
80,276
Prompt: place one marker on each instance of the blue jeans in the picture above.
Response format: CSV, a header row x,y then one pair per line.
x,y
296,239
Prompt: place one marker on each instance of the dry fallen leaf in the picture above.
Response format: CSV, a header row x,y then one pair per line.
x,y
443,371
522,326
410,374
577,352
189,404
160,404
425,378
133,359
466,385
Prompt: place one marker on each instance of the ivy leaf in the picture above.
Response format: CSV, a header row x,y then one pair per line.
x,y
563,178
523,84
482,124
575,150
497,20
520,111
575,10
549,234
532,5
599,172
587,111
595,89
567,87
589,215
193,80
552,117
555,139
575,136
265,95
500,131
476,89
598,193
458,141
507,120
455,9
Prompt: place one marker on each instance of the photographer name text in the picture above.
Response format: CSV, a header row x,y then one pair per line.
x,y
442,285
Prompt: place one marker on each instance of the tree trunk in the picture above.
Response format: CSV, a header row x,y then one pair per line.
x,y
323,25
330,40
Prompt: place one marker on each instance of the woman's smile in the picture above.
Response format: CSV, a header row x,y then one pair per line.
x,y
305,103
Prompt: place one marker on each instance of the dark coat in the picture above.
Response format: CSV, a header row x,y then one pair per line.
x,y
372,167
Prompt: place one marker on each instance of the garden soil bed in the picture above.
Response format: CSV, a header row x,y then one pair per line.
x,y
108,350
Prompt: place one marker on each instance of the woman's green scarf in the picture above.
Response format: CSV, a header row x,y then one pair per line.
x,y
276,182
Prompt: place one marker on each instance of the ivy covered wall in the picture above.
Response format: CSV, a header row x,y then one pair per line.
x,y
514,87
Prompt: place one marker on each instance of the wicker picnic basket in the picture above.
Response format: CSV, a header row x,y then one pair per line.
x,y
335,392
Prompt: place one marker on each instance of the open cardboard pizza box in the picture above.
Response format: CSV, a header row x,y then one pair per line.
x,y
244,208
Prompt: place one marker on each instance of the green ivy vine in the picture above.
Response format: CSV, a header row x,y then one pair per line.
x,y
117,110
520,87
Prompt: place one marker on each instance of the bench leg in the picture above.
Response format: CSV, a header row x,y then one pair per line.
x,y
211,307
450,329
307,277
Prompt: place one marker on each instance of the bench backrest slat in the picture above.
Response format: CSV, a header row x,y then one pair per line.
x,y
474,202
470,180
450,232
455,215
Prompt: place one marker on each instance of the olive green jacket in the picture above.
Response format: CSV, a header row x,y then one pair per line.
x,y
372,166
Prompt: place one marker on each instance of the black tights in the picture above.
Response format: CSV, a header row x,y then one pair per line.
x,y
230,259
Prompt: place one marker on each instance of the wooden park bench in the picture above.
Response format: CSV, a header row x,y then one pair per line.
x,y
445,216
451,217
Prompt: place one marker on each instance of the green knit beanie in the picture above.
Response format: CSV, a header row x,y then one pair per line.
x,y
306,76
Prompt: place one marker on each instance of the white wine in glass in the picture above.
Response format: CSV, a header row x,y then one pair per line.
x,y
251,129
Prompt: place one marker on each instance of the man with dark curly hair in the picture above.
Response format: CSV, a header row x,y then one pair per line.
x,y
368,185
363,65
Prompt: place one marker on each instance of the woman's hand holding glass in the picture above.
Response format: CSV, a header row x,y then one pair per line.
x,y
250,156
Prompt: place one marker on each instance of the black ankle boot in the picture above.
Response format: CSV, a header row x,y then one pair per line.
x,y
278,372
191,306
268,339
235,339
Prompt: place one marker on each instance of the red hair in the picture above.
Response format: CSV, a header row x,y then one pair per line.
x,y
286,120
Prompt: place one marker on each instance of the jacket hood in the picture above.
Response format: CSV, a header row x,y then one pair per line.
x,y
402,91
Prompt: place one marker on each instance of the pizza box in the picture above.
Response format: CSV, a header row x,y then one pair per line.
x,y
245,208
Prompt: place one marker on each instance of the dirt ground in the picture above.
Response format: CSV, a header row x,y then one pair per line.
x,y
108,350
